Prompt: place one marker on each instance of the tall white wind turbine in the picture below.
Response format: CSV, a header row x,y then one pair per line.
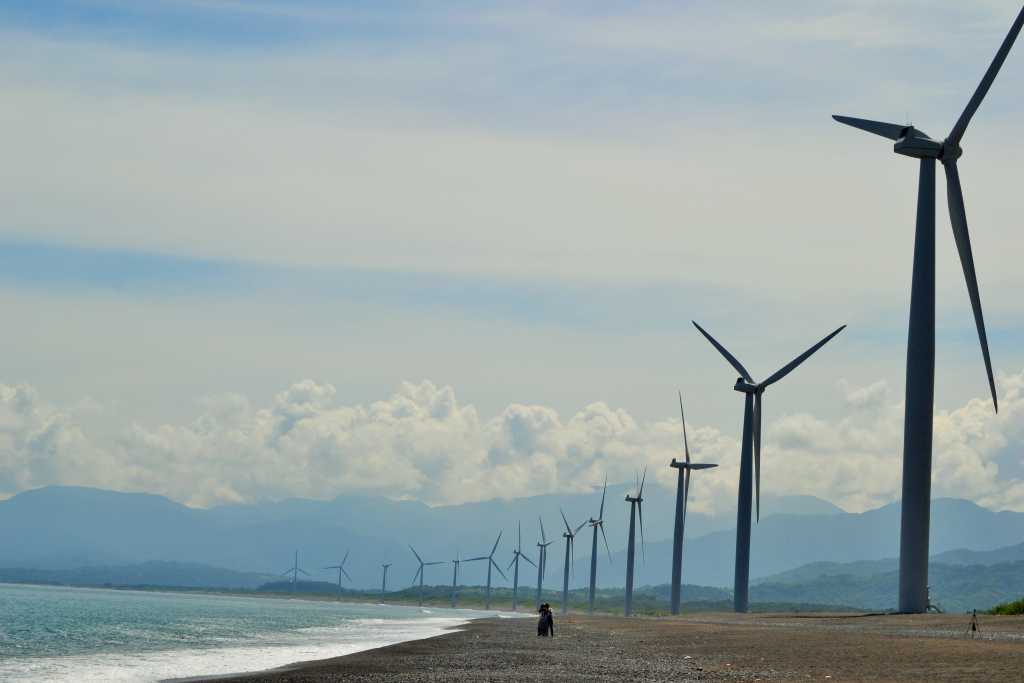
x,y
751,455
686,468
596,524
570,558
920,380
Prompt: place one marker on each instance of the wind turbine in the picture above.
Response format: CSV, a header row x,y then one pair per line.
x,y
920,381
294,571
341,570
570,558
516,554
490,564
636,504
384,580
752,390
542,560
596,524
419,572
682,496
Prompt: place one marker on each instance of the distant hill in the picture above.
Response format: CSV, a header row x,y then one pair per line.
x,y
178,574
781,543
956,588
71,527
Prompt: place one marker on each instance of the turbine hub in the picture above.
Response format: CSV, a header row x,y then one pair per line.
x,y
950,151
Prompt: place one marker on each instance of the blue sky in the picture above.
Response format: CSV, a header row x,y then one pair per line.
x,y
526,201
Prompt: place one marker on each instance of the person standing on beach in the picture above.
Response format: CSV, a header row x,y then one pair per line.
x,y
546,622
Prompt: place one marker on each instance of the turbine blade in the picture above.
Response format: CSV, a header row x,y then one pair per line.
x,y
304,572
640,494
417,575
986,82
886,130
477,559
499,569
543,538
520,536
496,542
572,557
600,515
577,529
512,562
606,544
286,572
344,559
568,529
346,575
682,416
757,455
416,554
725,353
792,365
640,510
524,556
958,217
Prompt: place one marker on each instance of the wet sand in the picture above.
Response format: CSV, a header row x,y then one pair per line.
x,y
704,647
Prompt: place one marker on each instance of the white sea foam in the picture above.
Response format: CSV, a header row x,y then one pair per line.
x,y
262,652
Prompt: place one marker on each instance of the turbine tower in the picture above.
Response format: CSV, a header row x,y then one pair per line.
x,y
751,454
516,554
491,564
570,558
596,524
636,504
542,559
341,570
294,571
920,380
419,572
384,579
682,496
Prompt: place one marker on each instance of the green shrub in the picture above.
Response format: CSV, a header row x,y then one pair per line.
x,y
1016,607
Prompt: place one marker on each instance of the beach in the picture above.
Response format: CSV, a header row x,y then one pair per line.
x,y
700,647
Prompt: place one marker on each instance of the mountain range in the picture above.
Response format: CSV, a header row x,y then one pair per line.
x,y
61,528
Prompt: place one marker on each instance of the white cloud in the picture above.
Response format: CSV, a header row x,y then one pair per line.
x,y
422,443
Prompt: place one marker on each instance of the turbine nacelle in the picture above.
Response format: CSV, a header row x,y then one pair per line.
x,y
746,387
916,144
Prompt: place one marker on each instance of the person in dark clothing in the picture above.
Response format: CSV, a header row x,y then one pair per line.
x,y
546,622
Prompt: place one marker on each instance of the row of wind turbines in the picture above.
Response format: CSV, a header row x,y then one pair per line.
x,y
685,468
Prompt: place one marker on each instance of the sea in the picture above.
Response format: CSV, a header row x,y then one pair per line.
x,y
57,633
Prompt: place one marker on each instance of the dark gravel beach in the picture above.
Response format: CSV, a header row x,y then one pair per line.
x,y
707,647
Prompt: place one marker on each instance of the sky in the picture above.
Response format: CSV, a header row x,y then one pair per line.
x,y
252,250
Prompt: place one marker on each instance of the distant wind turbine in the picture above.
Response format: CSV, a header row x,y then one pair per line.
x,y
920,380
596,524
419,572
341,570
384,579
542,560
490,564
682,497
570,558
751,452
517,553
636,505
294,571
455,576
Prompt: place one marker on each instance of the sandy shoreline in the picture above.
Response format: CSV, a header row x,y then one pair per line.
x,y
705,647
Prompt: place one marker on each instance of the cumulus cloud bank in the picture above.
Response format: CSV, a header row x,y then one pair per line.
x,y
422,443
